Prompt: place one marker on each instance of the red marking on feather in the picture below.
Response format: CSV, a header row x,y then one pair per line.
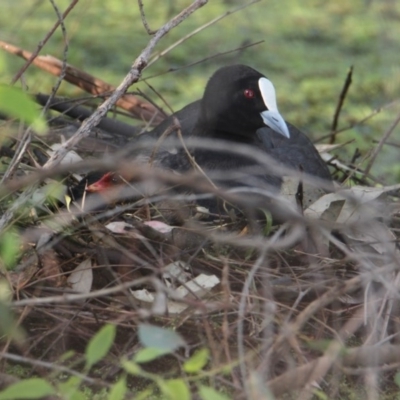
x,y
105,182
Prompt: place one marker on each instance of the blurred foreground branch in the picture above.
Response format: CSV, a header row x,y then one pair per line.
x,y
132,77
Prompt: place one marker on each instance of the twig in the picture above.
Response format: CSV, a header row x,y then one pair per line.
x,y
192,159
201,28
144,21
118,160
354,169
64,61
332,294
72,109
19,153
244,296
67,298
203,60
394,144
381,143
366,356
27,137
89,83
331,354
52,366
43,42
340,103
132,77
360,122
84,131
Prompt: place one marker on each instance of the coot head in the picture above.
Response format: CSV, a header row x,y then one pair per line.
x,y
237,101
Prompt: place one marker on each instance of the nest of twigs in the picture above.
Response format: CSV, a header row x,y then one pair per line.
x,y
297,305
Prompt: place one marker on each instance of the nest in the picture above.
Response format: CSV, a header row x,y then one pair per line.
x,y
295,305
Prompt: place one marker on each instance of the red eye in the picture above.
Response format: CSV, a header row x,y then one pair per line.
x,y
248,93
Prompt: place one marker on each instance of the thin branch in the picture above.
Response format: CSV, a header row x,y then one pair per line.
x,y
360,122
383,140
64,61
89,83
223,53
27,137
87,126
244,296
340,103
393,144
52,366
199,29
132,77
19,153
330,295
143,17
43,42
67,298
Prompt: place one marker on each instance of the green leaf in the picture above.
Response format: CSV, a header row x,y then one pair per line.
x,y
34,388
160,338
197,362
268,222
397,379
320,345
9,248
148,354
9,325
118,390
175,389
131,367
320,395
70,386
78,395
207,393
99,345
18,104
145,394
67,355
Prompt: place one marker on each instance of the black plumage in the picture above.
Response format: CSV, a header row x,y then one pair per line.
x,y
225,114
238,107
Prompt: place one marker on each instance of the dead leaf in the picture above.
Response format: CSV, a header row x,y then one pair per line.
x,y
289,189
198,287
176,271
159,226
355,201
51,270
81,278
193,289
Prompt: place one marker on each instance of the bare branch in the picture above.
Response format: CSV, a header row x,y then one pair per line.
x,y
340,103
383,140
26,139
132,77
86,127
43,42
143,17
222,53
199,29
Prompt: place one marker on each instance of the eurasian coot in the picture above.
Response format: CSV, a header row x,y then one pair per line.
x,y
238,108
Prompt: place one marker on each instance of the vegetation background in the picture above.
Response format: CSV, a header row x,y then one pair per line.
x,y
307,49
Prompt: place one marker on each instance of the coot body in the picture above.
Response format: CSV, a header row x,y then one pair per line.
x,y
238,108
228,112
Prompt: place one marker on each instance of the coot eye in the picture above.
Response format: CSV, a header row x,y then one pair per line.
x,y
249,94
